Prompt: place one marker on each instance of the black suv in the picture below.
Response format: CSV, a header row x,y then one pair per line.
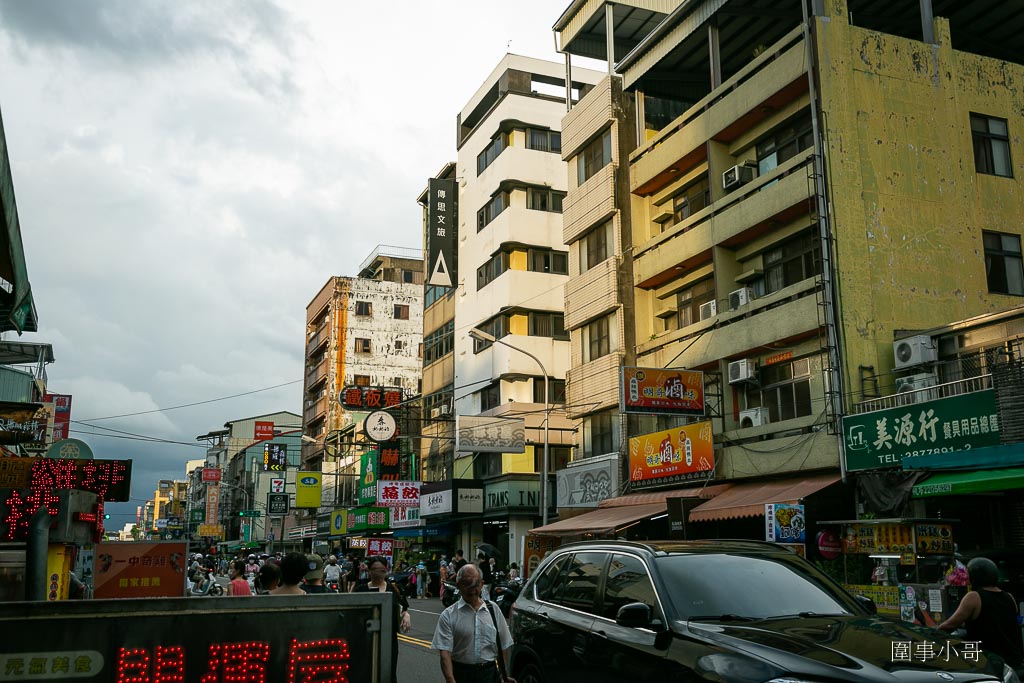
x,y
733,611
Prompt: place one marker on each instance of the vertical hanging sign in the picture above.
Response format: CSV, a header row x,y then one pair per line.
x,y
442,232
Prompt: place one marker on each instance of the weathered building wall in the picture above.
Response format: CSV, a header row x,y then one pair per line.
x,y
386,364
908,207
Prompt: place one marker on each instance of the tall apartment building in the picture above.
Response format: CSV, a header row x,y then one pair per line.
x,y
513,266
598,134
361,331
812,182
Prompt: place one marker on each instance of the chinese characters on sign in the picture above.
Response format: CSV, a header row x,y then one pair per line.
x,y
383,547
370,397
139,570
785,523
211,474
883,438
442,231
263,431
275,457
663,391
398,494
490,434
673,455
926,650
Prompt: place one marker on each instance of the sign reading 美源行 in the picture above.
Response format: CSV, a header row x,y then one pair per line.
x,y
665,391
883,438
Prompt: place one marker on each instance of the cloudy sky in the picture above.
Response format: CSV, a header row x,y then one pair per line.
x,y
188,174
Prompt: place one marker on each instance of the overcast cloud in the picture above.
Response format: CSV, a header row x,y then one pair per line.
x,y
189,174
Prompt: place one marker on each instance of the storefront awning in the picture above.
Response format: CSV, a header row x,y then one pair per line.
x,y
704,492
974,481
602,520
748,500
1004,455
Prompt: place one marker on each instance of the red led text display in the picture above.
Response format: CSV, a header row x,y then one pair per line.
x,y
268,640
35,481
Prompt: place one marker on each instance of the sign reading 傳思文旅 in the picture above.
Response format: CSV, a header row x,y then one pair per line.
x,y
664,391
672,455
883,438
442,232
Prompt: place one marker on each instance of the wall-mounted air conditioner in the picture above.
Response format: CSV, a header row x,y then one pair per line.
x,y
741,371
741,297
435,413
753,417
914,351
708,310
736,176
916,387
444,409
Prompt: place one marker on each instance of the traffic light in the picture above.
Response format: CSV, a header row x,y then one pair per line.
x,y
106,515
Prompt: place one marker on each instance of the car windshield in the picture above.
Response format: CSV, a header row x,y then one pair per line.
x,y
739,587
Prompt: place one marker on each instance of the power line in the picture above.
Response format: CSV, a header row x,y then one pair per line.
x,y
189,405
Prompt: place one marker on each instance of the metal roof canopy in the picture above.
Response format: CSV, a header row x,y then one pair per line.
x,y
630,26
23,353
601,520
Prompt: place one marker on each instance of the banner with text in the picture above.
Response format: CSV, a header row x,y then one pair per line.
x,y
672,455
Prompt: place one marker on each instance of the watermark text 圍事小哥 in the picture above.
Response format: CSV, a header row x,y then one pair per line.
x,y
928,650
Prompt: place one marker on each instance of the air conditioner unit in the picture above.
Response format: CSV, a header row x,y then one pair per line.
x,y
435,413
753,417
445,409
914,351
741,297
915,387
708,310
741,371
736,176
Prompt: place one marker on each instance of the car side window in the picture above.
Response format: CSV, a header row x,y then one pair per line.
x,y
628,581
577,584
548,579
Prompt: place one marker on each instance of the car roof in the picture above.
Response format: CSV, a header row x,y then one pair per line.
x,y
670,547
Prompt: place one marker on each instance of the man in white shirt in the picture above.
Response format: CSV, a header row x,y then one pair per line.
x,y
332,572
467,635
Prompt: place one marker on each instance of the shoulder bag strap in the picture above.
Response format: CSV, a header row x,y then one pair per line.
x,y
497,640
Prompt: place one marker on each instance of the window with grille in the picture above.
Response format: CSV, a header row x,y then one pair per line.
x,y
785,390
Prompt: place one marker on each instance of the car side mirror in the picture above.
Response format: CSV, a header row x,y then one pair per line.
x,y
633,615
867,603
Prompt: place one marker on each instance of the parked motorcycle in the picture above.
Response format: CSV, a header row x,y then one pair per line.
x,y
505,592
451,594
208,586
333,585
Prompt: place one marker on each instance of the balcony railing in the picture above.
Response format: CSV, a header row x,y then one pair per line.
x,y
906,398
317,373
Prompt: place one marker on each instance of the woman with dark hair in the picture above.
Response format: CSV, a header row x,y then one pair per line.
x,y
238,586
293,569
377,568
989,614
268,578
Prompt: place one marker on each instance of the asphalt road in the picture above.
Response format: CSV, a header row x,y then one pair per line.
x,y
417,663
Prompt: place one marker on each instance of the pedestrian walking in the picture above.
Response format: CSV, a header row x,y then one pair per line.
x,y
268,578
238,586
293,569
468,633
313,581
487,574
379,582
422,577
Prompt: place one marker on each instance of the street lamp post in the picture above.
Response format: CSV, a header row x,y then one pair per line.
x,y
482,336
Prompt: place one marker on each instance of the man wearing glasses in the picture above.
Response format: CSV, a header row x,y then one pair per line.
x,y
467,635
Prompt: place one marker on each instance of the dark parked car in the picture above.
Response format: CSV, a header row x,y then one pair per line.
x,y
734,611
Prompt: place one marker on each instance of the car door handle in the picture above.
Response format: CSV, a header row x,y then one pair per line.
x,y
543,616
599,635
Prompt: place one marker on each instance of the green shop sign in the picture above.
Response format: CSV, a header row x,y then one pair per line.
x,y
368,519
367,493
883,438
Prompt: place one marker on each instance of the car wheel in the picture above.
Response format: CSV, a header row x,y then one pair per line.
x,y
529,672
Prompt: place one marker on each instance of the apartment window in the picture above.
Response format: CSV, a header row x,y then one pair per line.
x,y
785,390
363,345
490,397
491,152
497,328
548,325
439,343
543,140
408,276
486,465
991,138
597,340
558,458
401,312
544,200
792,262
361,380
600,433
594,157
491,209
397,382
689,300
399,345
594,246
556,390
548,261
784,143
692,199
364,308
490,271
432,294
1003,263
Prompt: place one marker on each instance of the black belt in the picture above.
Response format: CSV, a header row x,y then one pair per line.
x,y
485,665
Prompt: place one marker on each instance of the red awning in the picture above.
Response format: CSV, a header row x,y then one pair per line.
x,y
601,520
704,492
748,500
